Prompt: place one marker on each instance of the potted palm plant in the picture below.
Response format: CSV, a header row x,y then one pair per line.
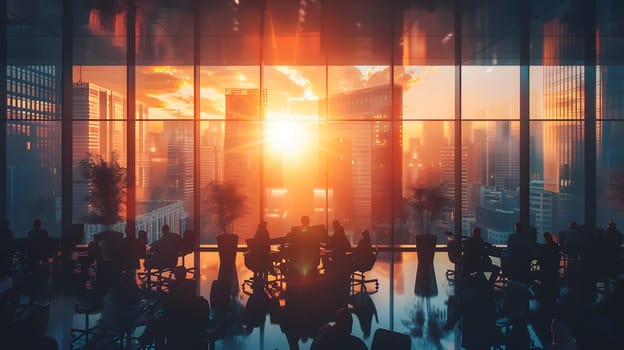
x,y
107,188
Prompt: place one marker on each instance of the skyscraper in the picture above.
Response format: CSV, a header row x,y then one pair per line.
x,y
366,154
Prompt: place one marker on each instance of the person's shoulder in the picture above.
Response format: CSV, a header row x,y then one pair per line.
x,y
351,342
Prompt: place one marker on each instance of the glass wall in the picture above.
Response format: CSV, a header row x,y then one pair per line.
x,y
33,116
332,110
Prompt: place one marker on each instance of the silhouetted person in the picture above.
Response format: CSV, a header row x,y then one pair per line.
x,y
476,256
613,236
142,242
338,336
520,251
262,239
260,252
364,248
548,255
108,250
164,252
39,243
338,242
7,247
305,223
339,265
613,248
571,241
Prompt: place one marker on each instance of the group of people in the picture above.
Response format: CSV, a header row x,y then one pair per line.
x,y
561,274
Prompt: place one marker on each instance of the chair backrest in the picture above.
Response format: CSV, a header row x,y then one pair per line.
x,y
454,250
364,262
386,339
304,248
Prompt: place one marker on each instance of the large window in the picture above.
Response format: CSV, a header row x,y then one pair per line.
x,y
333,110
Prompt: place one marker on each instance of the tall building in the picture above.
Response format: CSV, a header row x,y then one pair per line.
x,y
506,154
366,152
180,162
542,208
242,150
33,147
563,142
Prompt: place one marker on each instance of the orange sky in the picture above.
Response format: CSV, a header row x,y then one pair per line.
x,y
488,92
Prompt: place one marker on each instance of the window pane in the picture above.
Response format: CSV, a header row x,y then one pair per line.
x,y
34,32
101,138
490,33
164,187
230,33
490,92
426,33
358,32
164,32
217,83
294,171
428,161
166,90
295,33
360,110
100,93
557,174
428,92
490,178
100,34
34,175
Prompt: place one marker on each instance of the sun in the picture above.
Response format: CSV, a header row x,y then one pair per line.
x,y
286,137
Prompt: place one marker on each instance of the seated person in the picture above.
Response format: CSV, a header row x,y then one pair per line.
x,y
339,335
338,242
164,252
259,252
337,247
364,248
520,252
261,240
476,256
142,241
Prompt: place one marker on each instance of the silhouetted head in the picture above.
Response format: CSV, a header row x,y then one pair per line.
x,y
548,237
366,234
37,223
518,227
262,225
165,229
574,225
336,224
305,221
476,232
142,235
344,321
611,226
179,272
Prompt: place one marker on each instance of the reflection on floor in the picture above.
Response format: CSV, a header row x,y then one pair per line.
x,y
397,307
